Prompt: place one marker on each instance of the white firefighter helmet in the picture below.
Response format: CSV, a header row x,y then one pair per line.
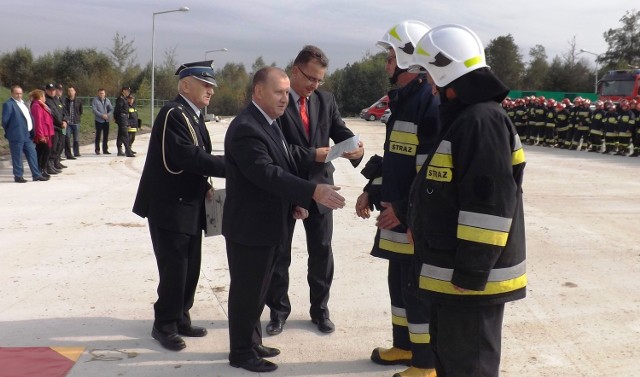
x,y
448,52
403,38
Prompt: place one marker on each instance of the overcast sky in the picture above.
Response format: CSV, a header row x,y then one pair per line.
x,y
277,29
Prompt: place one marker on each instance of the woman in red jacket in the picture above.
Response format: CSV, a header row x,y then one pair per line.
x,y
42,128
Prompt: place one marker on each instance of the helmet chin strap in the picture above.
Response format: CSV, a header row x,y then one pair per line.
x,y
396,73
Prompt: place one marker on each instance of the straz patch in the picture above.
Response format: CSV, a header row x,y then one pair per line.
x,y
439,174
401,148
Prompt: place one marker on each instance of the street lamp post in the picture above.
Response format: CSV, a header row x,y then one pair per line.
x,y
224,49
153,61
597,56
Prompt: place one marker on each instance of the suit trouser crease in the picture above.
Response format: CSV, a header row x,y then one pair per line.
x,y
250,269
178,256
320,269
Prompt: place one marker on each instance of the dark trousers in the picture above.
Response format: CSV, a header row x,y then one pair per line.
x,y
123,139
250,269
43,150
17,149
102,129
57,146
72,147
466,340
319,230
178,256
410,314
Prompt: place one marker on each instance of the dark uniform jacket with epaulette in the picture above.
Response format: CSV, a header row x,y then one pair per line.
x,y
412,131
466,211
174,179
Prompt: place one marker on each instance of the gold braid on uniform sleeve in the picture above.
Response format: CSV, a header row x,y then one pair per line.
x,y
164,130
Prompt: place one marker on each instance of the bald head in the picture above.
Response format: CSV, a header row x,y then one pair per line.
x,y
271,90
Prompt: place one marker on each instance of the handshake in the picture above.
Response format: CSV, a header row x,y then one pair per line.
x,y
328,196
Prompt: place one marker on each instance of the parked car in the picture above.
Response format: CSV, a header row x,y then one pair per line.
x,y
375,111
385,116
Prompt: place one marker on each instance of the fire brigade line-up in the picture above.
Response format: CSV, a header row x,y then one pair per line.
x,y
609,125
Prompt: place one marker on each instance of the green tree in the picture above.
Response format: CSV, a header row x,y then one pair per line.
x,y
360,84
505,60
624,42
16,68
166,82
231,94
123,56
537,69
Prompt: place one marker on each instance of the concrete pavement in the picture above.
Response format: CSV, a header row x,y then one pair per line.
x,y
78,270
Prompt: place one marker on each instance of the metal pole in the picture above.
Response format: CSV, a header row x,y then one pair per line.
x,y
153,61
153,65
205,58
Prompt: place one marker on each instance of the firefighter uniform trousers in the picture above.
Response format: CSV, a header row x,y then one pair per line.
x,y
596,131
611,131
626,126
411,131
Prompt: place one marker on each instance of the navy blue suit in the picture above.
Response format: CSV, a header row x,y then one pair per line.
x,y
16,131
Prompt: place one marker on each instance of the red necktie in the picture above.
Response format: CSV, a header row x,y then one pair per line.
x,y
303,114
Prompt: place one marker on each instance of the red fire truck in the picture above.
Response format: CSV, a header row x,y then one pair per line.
x,y
620,84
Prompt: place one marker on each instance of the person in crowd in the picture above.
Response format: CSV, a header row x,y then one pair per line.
x,y
134,121
102,110
73,109
549,137
263,195
171,195
465,208
56,106
18,130
43,131
411,131
562,121
520,118
596,128
121,117
610,128
626,127
310,120
582,125
635,107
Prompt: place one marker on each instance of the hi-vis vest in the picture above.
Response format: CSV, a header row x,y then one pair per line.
x,y
466,211
411,131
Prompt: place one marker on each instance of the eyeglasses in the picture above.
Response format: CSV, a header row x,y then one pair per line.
x,y
312,80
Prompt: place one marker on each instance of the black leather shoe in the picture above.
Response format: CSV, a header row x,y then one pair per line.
x,y
52,171
46,175
258,365
274,327
97,151
129,154
106,152
41,178
170,341
264,351
70,158
324,325
192,331
59,166
19,180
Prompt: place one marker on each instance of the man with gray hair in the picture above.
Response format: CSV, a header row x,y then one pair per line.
x,y
171,195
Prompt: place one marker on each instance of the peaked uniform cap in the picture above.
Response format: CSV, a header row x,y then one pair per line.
x,y
202,71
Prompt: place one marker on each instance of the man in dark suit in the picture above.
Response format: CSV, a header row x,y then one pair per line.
x,y
18,128
264,194
310,120
171,195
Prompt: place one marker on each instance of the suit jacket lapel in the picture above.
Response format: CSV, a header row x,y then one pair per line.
x,y
195,121
273,135
314,106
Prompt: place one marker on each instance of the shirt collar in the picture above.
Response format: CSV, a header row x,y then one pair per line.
x,y
268,118
195,109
